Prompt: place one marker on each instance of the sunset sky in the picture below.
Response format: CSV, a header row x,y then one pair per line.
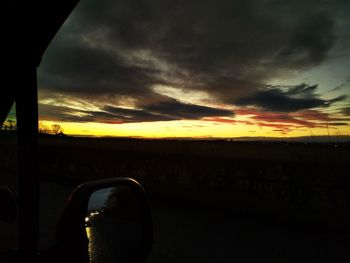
x,y
156,68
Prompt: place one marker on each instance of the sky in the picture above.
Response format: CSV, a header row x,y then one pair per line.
x,y
224,68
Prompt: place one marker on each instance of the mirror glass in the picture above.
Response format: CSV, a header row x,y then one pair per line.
x,y
113,225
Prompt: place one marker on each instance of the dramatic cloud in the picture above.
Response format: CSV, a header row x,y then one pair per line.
x,y
312,39
287,122
315,115
125,46
283,118
346,111
131,115
116,52
339,124
163,111
186,111
296,98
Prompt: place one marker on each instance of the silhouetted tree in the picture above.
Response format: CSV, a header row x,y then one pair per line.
x,y
56,129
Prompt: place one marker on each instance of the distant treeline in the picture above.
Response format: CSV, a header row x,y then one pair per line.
x,y
9,127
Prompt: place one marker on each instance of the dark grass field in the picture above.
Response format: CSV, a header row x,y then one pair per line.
x,y
298,180
284,195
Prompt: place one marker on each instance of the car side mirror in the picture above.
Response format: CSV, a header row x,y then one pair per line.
x,y
106,221
9,208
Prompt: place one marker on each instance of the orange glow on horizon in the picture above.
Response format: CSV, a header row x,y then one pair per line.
x,y
239,127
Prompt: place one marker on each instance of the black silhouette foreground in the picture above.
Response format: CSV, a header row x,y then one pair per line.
x,y
32,26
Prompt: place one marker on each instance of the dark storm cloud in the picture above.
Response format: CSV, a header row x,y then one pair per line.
x,y
296,98
339,98
186,111
132,115
62,113
338,124
346,111
313,37
81,69
162,111
226,48
303,89
108,114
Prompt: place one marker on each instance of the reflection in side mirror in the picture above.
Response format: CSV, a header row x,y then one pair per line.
x,y
8,211
104,221
113,225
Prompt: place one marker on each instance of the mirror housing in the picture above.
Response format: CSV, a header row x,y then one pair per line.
x,y
71,231
9,205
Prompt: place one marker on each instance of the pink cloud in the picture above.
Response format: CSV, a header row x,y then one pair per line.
x,y
281,122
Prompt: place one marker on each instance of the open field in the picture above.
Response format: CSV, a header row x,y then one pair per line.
x,y
298,181
211,200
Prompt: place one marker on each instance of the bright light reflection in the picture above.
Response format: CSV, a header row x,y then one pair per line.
x,y
187,96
